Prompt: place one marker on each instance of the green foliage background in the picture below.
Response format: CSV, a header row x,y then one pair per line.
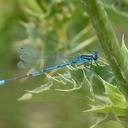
x,y
58,27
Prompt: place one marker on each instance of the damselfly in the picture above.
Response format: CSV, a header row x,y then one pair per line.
x,y
82,59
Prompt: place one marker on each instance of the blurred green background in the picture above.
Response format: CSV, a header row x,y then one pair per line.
x,y
56,26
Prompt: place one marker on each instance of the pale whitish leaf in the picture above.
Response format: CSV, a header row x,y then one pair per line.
x,y
56,79
124,51
99,109
26,96
83,44
112,124
81,33
102,99
99,121
75,87
108,108
41,88
63,80
88,85
101,104
105,108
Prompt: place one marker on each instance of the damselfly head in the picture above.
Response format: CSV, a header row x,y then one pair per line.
x,y
95,55
88,57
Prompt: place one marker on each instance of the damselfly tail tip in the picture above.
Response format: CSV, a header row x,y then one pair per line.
x,y
2,82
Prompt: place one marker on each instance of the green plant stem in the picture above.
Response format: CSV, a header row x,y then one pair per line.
x,y
108,40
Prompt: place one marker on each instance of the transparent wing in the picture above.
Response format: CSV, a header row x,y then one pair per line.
x,y
30,55
33,57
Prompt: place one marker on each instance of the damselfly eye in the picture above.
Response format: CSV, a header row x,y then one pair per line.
x,y
95,55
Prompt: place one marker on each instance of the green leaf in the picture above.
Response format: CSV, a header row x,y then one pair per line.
x,y
117,16
115,95
104,71
114,101
42,88
32,7
111,124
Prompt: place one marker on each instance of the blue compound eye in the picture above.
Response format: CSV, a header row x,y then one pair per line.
x,y
95,55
